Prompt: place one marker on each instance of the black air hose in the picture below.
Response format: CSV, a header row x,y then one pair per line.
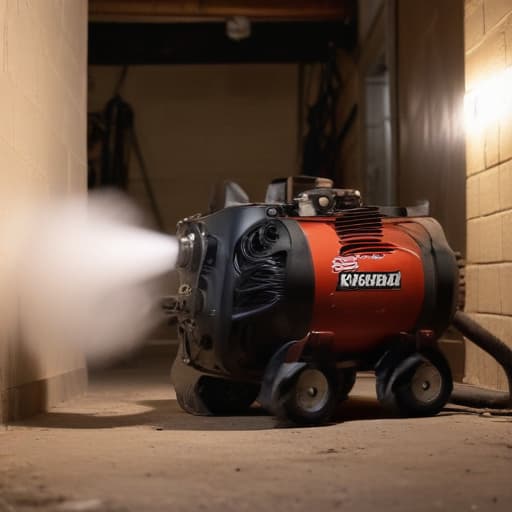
x,y
471,395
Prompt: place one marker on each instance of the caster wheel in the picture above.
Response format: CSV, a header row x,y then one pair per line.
x,y
185,380
308,398
203,395
183,401
426,389
225,397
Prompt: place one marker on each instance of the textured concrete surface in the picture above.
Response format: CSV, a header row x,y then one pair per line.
x,y
126,446
43,81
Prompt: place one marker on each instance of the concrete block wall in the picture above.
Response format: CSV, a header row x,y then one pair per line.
x,y
488,51
43,59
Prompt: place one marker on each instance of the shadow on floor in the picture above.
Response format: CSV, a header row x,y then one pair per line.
x,y
149,375
161,415
167,415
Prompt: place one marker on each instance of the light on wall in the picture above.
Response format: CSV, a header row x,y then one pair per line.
x,y
489,101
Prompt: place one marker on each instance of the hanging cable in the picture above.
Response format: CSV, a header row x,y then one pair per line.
x,y
321,143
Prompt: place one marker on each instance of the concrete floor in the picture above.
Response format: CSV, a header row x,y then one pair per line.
x,y
126,446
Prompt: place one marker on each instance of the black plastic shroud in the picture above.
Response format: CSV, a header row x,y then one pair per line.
x,y
252,292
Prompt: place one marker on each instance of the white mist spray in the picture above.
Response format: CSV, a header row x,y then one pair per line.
x,y
89,274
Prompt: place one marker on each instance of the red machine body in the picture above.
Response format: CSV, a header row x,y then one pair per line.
x,y
361,319
287,300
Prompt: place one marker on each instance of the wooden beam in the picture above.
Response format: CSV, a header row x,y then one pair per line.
x,y
143,10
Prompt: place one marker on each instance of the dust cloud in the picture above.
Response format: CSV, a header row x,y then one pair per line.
x,y
90,274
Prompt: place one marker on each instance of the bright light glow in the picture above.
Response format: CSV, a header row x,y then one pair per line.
x,y
489,101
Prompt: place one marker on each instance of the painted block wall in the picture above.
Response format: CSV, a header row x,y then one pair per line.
x,y
198,124
488,51
43,58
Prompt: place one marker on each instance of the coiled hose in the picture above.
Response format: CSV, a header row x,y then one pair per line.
x,y
473,396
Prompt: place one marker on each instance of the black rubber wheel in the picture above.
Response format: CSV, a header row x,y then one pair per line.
x,y
308,398
346,380
187,400
426,389
185,380
226,397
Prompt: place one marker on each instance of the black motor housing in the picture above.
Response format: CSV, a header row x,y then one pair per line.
x,y
246,288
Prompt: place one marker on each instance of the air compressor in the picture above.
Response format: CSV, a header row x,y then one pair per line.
x,y
285,301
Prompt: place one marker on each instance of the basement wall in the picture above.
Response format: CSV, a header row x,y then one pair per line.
x,y
198,124
420,43
488,50
43,53
430,78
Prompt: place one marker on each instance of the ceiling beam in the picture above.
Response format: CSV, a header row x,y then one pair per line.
x,y
157,10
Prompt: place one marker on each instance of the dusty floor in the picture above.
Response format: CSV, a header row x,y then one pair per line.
x,y
126,446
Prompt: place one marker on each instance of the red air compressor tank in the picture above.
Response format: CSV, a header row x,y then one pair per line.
x,y
290,300
366,289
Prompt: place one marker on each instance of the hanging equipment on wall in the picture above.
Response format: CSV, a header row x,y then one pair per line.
x,y
111,140
321,142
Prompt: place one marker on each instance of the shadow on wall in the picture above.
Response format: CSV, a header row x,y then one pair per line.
x,y
29,396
